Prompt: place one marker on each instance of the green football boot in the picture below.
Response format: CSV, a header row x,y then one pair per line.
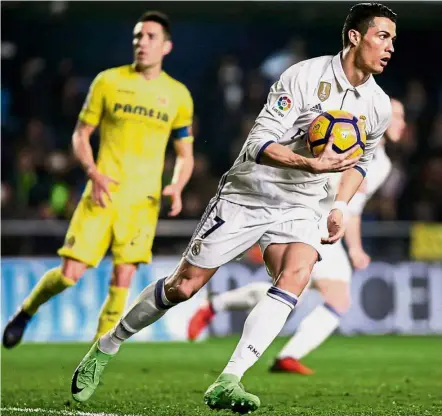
x,y
87,375
228,393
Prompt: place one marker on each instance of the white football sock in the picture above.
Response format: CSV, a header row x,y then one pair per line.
x,y
312,331
245,297
261,327
150,306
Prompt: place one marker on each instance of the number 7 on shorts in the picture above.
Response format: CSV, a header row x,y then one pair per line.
x,y
218,223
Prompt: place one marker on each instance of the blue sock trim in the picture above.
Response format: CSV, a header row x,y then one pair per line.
x,y
283,295
158,300
332,310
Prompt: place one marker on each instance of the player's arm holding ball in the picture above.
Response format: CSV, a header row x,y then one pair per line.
x,y
288,93
88,120
183,144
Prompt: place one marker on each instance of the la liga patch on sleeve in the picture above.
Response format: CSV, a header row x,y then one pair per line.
x,y
282,105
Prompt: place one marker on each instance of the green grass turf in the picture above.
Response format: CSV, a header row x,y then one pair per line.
x,y
384,375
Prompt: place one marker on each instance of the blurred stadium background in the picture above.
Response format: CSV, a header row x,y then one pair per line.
x,y
228,54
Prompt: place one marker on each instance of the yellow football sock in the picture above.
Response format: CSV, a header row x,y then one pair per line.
x,y
112,310
52,283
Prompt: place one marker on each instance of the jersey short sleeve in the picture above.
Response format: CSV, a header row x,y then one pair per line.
x,y
182,124
93,106
283,107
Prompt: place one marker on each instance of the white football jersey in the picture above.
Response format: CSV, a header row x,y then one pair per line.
x,y
302,92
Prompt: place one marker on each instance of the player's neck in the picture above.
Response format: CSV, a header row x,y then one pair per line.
x,y
355,75
150,73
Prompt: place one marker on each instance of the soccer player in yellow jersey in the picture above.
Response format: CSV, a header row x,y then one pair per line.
x,y
137,108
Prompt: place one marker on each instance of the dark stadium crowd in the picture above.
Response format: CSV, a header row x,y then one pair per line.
x,y
41,179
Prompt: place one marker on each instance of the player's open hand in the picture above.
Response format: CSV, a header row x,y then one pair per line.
x,y
100,187
174,192
336,227
359,258
330,161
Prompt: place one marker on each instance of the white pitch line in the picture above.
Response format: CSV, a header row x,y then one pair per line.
x,y
59,412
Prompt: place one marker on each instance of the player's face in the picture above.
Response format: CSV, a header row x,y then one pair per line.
x,y
150,44
397,125
375,48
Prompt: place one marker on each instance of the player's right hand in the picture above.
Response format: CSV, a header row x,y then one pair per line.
x,y
330,161
335,226
100,187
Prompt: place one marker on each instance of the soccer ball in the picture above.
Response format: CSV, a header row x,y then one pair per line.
x,y
347,130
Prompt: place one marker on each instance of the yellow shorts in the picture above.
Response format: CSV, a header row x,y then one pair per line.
x,y
128,228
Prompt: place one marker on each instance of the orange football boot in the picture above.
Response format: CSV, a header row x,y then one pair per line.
x,y
290,365
200,321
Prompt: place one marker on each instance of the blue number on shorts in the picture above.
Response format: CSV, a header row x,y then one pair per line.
x,y
218,223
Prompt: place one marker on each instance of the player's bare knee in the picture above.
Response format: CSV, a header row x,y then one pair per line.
x,y
122,274
294,280
73,269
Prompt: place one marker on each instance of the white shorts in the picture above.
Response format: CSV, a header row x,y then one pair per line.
x,y
227,230
335,264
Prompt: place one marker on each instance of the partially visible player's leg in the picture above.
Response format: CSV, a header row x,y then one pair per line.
x,y
154,301
331,277
53,282
270,314
113,306
242,298
290,265
86,242
133,234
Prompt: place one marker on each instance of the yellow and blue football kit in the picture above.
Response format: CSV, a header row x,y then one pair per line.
x,y
136,118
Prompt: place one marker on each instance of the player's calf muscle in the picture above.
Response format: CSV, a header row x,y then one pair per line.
x,y
186,281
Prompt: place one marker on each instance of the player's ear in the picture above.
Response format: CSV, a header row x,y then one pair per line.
x,y
167,48
354,37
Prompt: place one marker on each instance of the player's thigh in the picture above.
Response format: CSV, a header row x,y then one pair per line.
x,y
89,233
225,232
281,238
291,264
134,230
290,251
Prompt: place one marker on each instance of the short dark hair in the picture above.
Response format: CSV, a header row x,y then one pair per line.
x,y
361,17
158,17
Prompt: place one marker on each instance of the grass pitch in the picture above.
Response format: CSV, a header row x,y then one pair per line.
x,y
382,375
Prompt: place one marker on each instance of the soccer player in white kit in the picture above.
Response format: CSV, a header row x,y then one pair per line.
x,y
331,276
271,196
